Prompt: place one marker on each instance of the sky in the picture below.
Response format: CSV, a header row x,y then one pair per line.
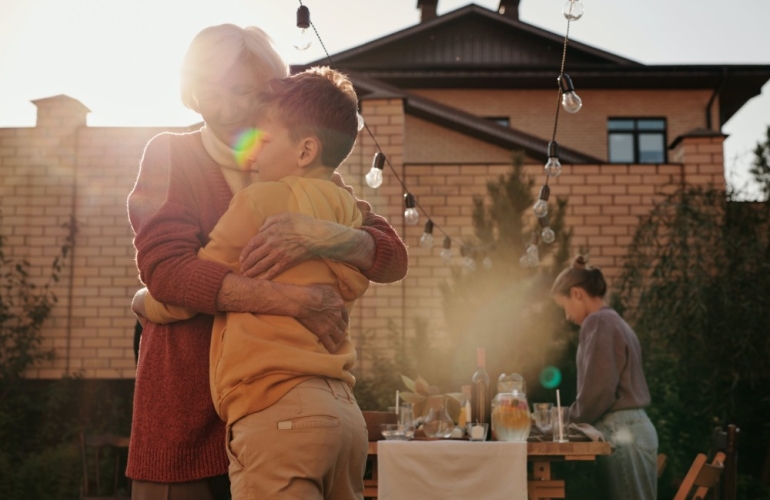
x,y
121,59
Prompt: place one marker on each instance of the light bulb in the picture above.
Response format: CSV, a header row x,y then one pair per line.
x,y
540,208
524,261
302,39
571,102
541,205
533,255
573,10
411,216
548,235
426,240
361,121
374,177
553,165
569,99
487,263
446,251
469,263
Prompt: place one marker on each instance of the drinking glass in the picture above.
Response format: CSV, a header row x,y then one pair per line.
x,y
557,414
541,412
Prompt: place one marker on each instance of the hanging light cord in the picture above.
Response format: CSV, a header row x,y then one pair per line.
x,y
387,160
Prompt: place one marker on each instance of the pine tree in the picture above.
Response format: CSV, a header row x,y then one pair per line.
x,y
501,305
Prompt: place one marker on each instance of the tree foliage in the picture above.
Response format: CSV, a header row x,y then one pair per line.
x,y
695,286
503,306
760,167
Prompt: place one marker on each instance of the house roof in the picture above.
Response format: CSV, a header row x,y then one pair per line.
x,y
464,122
474,47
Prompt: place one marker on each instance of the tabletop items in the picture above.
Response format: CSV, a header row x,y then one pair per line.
x,y
471,414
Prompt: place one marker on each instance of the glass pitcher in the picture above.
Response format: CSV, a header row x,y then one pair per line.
x,y
510,416
510,383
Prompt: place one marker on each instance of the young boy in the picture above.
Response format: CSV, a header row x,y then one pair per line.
x,y
294,429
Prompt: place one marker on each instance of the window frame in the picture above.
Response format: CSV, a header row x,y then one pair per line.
x,y
635,134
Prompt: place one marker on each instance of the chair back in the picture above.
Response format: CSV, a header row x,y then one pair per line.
x,y
726,441
93,449
701,477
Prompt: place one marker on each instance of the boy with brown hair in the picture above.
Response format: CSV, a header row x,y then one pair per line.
x,y
294,429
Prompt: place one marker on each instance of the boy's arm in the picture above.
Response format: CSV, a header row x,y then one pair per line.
x,y
161,313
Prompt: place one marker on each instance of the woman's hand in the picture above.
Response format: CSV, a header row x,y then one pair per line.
x,y
321,310
282,242
288,239
318,307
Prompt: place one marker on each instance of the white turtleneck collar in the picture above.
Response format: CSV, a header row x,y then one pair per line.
x,y
224,155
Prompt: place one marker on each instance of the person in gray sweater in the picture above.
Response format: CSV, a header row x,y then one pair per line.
x,y
611,389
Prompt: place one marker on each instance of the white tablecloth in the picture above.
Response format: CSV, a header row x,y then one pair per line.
x,y
462,470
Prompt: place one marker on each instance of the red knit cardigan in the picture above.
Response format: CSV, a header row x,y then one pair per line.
x,y
176,436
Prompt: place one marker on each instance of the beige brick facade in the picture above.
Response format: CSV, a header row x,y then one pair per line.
x,y
61,169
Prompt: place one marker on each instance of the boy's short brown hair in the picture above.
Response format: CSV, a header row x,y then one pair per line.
x,y
320,102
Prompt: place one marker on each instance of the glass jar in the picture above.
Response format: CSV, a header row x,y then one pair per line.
x,y
510,417
438,423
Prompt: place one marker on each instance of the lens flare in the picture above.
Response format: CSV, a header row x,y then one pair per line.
x,y
247,146
550,377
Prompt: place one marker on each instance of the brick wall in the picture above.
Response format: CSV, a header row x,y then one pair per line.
x,y
62,168
533,111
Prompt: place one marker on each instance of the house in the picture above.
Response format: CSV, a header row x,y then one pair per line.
x,y
447,100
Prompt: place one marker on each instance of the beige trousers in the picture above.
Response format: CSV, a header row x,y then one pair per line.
x,y
310,445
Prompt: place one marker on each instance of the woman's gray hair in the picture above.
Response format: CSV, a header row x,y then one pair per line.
x,y
216,48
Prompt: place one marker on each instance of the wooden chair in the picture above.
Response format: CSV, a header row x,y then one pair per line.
x,y
726,441
91,452
661,464
702,477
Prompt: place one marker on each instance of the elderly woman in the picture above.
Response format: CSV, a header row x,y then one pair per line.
x,y
185,184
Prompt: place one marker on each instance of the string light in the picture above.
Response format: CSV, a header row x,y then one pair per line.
x,y
553,165
302,39
411,215
570,101
426,240
374,177
541,205
573,10
547,234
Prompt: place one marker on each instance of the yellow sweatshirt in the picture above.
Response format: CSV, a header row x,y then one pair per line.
x,y
255,359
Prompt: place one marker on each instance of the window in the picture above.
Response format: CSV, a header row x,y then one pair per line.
x,y
636,140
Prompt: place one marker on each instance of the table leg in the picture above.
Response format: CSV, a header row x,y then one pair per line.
x,y
541,486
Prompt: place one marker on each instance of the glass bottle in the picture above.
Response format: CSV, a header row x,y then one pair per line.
x,y
480,390
438,423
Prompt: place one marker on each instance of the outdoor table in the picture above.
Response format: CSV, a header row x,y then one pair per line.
x,y
540,485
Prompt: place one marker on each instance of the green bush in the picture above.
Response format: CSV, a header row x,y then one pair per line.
x,y
695,286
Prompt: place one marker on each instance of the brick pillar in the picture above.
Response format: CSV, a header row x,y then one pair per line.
x,y
60,111
385,118
701,153
47,167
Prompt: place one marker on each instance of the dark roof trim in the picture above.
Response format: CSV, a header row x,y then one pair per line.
x,y
463,11
467,123
698,132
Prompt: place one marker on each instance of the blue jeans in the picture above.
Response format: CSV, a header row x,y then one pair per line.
x,y
630,472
